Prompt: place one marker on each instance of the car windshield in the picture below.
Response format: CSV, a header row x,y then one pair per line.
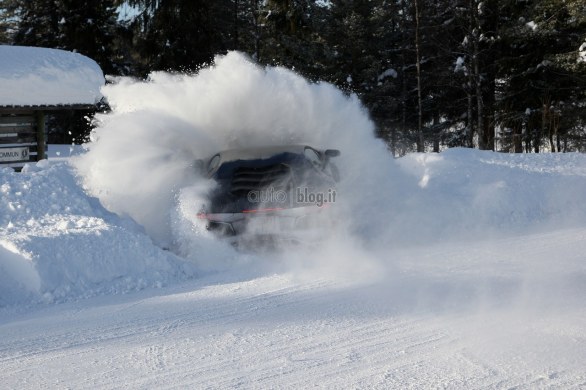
x,y
245,184
229,168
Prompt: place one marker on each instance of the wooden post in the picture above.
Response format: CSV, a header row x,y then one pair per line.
x,y
41,141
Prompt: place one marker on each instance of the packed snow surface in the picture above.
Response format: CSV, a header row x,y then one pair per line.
x,y
463,269
41,76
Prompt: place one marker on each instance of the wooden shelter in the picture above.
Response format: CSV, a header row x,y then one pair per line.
x,y
35,82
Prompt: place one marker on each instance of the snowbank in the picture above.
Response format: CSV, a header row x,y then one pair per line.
x,y
472,194
57,243
42,76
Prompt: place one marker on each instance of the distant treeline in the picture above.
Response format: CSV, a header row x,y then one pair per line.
x,y
507,75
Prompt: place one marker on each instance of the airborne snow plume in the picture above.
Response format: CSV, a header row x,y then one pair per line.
x,y
140,162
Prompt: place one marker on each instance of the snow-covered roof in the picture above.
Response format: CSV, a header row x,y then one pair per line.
x,y
35,76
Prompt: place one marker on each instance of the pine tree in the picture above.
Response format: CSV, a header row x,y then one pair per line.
x,y
39,23
89,27
8,20
350,36
541,98
175,34
384,97
289,35
85,26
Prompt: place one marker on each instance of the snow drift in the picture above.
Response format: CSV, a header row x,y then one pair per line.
x,y
57,243
470,194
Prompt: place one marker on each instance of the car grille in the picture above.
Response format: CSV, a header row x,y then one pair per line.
x,y
248,179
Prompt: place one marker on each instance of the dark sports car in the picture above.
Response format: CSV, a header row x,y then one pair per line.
x,y
269,194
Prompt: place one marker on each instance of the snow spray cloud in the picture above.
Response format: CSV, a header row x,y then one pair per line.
x,y
142,153
140,163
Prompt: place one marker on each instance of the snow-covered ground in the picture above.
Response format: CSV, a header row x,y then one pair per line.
x,y
450,316
464,269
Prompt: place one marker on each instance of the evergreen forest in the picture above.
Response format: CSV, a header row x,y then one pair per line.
x,y
504,75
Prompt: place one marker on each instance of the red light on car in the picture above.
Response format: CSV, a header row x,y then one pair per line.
x,y
263,210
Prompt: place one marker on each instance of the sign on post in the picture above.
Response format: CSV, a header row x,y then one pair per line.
x,y
14,154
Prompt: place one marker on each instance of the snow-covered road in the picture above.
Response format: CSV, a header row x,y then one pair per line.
x,y
504,314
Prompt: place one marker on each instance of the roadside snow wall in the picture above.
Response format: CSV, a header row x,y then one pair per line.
x,y
57,243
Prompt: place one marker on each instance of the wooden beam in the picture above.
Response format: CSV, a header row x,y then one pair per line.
x,y
41,141
20,120
29,109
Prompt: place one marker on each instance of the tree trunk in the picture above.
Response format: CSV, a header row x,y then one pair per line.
x,y
484,76
236,37
470,114
436,132
479,105
404,77
420,143
518,138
